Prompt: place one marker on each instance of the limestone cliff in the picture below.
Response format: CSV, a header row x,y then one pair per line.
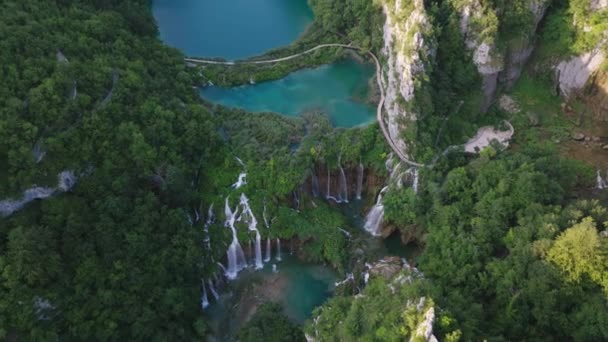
x,y
407,49
479,23
573,73
583,76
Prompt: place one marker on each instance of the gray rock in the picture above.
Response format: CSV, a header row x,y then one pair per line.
x,y
578,136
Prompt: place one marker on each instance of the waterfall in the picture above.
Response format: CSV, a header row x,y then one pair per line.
x,y
343,191
373,221
296,199
239,160
278,257
274,268
212,289
204,299
414,175
268,251
348,235
208,224
253,223
315,185
222,267
266,223
349,277
601,183
327,195
197,216
359,180
240,181
415,181
236,257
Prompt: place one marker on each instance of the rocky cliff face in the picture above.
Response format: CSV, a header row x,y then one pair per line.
x,y
407,48
582,76
573,73
496,66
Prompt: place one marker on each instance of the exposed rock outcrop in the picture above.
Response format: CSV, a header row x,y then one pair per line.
x,y
407,48
496,66
574,73
597,5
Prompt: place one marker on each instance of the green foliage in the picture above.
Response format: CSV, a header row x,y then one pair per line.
x,y
386,310
270,324
490,226
580,252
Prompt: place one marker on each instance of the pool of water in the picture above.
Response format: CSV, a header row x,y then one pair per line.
x,y
340,90
299,287
231,29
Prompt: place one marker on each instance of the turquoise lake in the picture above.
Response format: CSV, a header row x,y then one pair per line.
x,y
339,90
298,286
230,29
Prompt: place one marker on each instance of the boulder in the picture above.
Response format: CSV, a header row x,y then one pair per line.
x,y
578,136
387,267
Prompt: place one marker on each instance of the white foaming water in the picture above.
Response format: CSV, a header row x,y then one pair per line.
x,y
278,257
252,224
268,251
373,221
360,170
204,299
212,289
236,257
600,182
241,181
343,187
210,218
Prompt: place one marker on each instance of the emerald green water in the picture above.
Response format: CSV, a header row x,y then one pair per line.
x,y
299,287
340,90
231,29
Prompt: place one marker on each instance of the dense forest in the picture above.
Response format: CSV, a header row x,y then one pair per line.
x,y
514,243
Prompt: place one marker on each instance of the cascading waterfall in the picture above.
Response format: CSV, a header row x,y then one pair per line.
x,y
278,257
413,174
204,299
242,180
296,199
373,221
328,195
360,170
197,216
208,223
253,223
343,191
600,182
268,251
236,257
212,289
415,181
315,185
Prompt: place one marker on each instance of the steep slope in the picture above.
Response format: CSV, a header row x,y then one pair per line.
x,y
407,49
501,38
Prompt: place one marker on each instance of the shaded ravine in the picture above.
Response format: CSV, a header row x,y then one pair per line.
x,y
379,71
